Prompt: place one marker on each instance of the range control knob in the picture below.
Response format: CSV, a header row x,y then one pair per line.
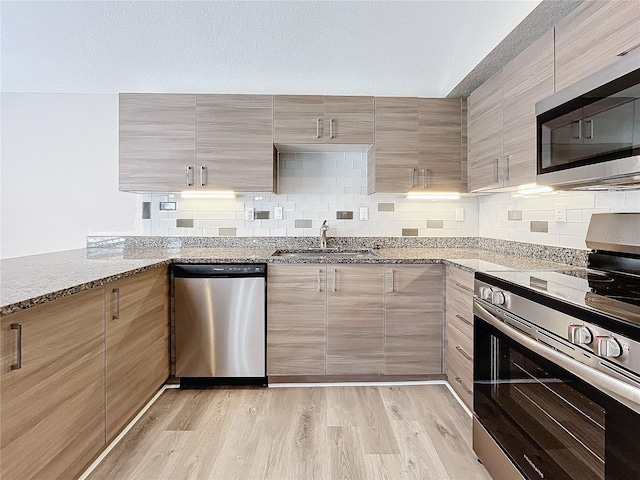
x,y
579,335
498,298
608,347
485,293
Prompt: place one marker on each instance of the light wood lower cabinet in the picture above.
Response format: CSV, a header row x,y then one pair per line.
x,y
296,319
459,333
341,319
355,319
413,319
137,340
52,407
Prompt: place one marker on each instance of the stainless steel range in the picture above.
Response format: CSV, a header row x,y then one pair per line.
x,y
557,363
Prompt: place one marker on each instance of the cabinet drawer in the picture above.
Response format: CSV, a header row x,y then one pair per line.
x,y
461,381
462,322
461,347
459,281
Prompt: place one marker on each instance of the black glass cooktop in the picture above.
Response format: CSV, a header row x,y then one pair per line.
x,y
611,294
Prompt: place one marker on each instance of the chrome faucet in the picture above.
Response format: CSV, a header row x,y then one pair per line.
x,y
323,234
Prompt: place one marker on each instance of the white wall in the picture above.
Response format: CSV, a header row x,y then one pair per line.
x,y
59,164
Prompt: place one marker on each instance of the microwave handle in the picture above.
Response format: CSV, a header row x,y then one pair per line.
x,y
621,390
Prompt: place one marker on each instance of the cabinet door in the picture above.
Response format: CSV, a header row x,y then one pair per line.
x,y
157,142
235,143
441,144
355,319
52,408
592,37
348,120
298,119
485,135
296,317
527,79
414,316
137,344
396,148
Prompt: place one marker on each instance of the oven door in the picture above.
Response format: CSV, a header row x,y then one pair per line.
x,y
551,423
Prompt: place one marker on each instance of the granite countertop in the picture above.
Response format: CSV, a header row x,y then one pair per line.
x,y
36,279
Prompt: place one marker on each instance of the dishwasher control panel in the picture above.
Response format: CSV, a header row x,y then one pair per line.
x,y
216,270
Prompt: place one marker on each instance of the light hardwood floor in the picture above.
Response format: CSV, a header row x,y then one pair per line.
x,y
397,432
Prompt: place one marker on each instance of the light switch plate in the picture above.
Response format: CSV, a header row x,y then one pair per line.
x,y
249,213
561,212
277,213
459,214
364,213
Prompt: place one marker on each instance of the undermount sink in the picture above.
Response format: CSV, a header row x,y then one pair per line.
x,y
323,253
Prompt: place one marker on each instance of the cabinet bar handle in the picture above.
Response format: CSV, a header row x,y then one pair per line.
x,y
424,182
628,50
203,175
393,281
116,314
335,281
464,320
413,175
464,287
317,127
579,137
463,353
18,364
590,122
320,280
331,128
459,380
505,167
495,170
189,176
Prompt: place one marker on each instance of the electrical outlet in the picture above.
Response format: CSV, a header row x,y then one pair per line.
x,y
249,213
277,213
364,213
561,212
459,214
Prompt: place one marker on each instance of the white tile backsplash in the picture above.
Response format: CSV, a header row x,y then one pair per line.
x,y
313,186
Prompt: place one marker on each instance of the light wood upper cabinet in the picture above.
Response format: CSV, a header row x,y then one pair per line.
x,y
485,134
137,342
413,319
355,319
502,120
175,142
348,120
298,119
527,79
52,408
157,141
592,37
313,119
296,319
235,143
440,161
418,145
396,145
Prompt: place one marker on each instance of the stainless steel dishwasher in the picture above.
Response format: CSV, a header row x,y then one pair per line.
x,y
220,323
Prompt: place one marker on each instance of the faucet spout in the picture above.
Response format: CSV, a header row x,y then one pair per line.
x,y
323,234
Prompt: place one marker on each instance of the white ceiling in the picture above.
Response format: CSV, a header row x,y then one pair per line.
x,y
412,48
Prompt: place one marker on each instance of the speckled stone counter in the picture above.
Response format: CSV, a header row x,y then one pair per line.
x,y
32,280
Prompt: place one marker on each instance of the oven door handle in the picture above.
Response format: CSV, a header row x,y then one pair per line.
x,y
616,386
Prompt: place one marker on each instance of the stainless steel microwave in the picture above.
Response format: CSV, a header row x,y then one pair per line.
x,y
588,134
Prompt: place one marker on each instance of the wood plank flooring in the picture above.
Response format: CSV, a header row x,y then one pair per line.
x,y
312,433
